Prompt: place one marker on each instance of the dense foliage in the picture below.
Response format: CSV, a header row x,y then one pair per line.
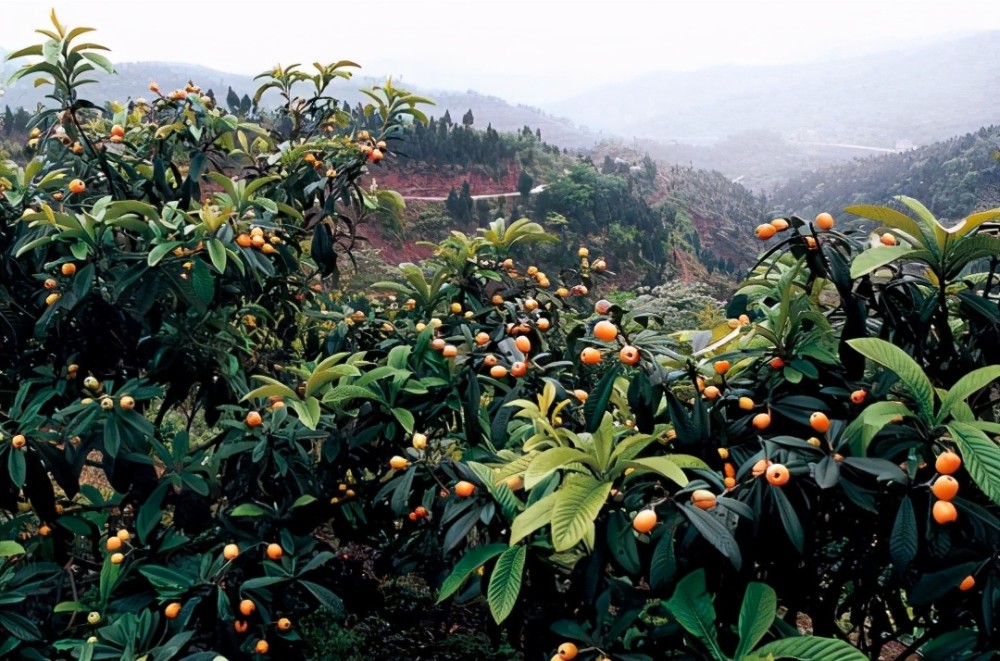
x,y
951,177
207,449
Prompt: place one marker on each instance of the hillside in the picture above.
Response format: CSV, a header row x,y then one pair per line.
x,y
953,178
919,94
651,222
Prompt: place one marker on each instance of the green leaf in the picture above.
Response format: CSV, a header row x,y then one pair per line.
x,y
325,597
248,509
981,456
308,411
664,562
166,579
691,606
473,559
930,222
578,503
875,258
714,532
161,251
909,372
405,418
324,375
16,467
70,607
551,460
100,61
663,465
970,383
971,222
9,548
19,626
597,404
505,583
345,393
217,253
150,512
807,648
904,543
273,387
303,500
760,605
202,282
789,519
271,390
537,515
890,217
934,585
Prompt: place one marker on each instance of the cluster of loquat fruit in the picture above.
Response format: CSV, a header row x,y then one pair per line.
x,y
247,607
257,239
51,283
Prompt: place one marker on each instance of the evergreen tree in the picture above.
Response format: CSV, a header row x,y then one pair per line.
x,y
467,118
524,183
453,205
465,202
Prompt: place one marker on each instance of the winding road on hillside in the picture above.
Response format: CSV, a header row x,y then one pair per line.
x,y
533,191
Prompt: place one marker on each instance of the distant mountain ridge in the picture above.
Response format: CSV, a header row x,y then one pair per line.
x,y
920,94
133,78
761,126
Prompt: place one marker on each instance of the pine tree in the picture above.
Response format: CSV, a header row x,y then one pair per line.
x,y
524,183
465,200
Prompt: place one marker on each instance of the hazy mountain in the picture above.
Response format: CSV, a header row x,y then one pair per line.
x,y
915,95
758,125
133,78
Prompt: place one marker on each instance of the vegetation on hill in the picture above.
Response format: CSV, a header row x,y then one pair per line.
x,y
954,177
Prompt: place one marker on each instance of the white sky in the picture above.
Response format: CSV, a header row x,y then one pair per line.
x,y
527,51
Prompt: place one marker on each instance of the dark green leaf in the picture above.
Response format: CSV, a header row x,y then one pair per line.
x,y
505,582
691,606
760,605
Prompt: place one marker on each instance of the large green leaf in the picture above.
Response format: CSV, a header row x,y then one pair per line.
x,y
551,460
505,583
663,465
760,605
971,222
578,502
789,519
903,544
308,411
691,606
970,383
927,218
470,562
807,648
597,404
9,547
345,393
714,532
981,456
892,218
876,258
909,372
538,515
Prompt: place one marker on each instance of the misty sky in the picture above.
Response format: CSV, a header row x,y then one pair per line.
x,y
526,51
